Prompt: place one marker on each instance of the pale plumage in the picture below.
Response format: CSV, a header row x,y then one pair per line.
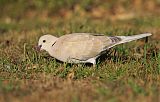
x,y
82,47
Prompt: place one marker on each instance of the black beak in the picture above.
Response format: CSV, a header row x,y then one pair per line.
x,y
38,48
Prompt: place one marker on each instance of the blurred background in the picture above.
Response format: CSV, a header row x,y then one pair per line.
x,y
33,14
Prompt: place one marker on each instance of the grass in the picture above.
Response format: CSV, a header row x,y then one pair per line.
x,y
129,72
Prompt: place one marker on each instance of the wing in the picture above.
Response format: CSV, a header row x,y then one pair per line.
x,y
81,46
114,41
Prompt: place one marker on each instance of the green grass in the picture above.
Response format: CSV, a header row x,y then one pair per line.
x,y
130,72
120,73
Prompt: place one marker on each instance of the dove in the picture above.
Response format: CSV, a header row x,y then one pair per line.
x,y
82,47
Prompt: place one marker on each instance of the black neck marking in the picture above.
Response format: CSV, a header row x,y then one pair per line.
x,y
53,43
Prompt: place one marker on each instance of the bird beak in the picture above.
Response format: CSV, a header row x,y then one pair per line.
x,y
38,48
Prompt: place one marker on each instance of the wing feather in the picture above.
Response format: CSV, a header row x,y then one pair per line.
x,y
80,46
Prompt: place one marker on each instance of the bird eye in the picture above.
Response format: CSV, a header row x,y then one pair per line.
x,y
44,41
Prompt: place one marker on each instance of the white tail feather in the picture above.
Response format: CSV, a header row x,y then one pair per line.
x,y
130,38
133,37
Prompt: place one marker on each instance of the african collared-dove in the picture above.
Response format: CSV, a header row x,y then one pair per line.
x,y
82,47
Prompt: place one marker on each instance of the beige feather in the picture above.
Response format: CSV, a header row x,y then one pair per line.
x,y
82,47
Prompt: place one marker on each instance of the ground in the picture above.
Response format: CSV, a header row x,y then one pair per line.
x,y
128,72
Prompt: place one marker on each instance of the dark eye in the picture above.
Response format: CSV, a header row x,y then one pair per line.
x,y
44,41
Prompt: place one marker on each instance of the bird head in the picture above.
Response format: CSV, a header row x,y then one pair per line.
x,y
45,42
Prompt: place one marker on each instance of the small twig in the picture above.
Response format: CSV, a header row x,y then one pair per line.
x,y
24,50
146,40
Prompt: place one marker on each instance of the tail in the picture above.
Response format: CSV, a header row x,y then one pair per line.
x,y
125,39
116,40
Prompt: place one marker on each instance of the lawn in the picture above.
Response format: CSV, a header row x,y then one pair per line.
x,y
127,73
